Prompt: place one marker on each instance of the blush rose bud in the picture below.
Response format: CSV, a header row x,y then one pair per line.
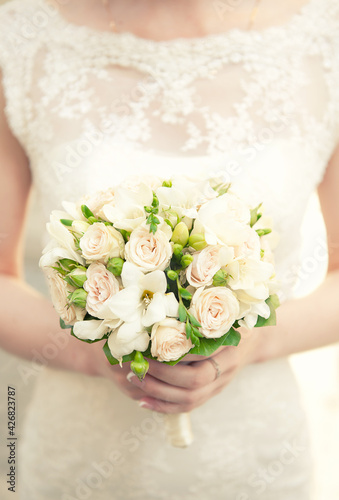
x,y
78,276
197,241
139,365
220,278
114,265
78,298
180,234
186,260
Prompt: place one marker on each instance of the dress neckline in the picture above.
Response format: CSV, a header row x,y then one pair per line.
x,y
235,33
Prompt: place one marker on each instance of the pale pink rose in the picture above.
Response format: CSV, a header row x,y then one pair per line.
x,y
216,309
59,291
250,246
100,285
101,242
168,340
148,251
206,263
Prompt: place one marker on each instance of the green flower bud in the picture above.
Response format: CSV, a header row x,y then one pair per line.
x,y
186,260
139,365
172,275
180,234
177,249
78,298
197,241
78,276
220,278
114,265
167,184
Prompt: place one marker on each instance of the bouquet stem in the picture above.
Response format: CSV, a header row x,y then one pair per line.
x,y
178,429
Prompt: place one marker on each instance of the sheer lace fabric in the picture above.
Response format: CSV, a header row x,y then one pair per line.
x,y
92,107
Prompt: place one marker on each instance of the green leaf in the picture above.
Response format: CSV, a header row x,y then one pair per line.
x,y
263,232
86,212
197,333
188,329
66,222
194,320
63,325
233,338
182,313
195,340
169,223
208,346
68,264
185,294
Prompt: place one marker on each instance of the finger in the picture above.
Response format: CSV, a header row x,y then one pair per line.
x,y
157,389
188,376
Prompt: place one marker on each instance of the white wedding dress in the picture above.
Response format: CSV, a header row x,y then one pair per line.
x,y
92,107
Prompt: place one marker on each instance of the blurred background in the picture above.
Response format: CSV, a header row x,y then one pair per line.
x,y
317,372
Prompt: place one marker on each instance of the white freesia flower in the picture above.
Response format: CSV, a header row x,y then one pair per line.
x,y
63,239
127,212
148,251
145,294
101,242
249,320
206,263
185,196
216,309
251,245
224,220
169,341
251,276
94,329
129,337
59,291
101,285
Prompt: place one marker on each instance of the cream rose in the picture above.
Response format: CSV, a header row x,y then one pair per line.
x,y
216,309
100,285
59,291
101,242
206,263
168,340
148,251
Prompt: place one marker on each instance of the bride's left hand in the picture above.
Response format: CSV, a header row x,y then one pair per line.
x,y
185,386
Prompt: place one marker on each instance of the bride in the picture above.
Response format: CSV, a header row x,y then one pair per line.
x,y
94,91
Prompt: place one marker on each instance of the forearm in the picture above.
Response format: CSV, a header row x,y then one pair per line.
x,y
306,323
30,328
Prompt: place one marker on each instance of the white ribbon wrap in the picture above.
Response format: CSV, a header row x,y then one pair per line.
x,y
179,429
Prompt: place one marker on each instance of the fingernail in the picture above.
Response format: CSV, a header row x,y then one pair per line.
x,y
130,375
145,405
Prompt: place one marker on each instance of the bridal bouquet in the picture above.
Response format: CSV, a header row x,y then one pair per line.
x,y
160,269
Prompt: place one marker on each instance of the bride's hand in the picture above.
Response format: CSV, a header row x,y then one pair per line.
x,y
181,388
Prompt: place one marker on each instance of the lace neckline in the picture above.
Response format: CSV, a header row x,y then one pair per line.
x,y
237,34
